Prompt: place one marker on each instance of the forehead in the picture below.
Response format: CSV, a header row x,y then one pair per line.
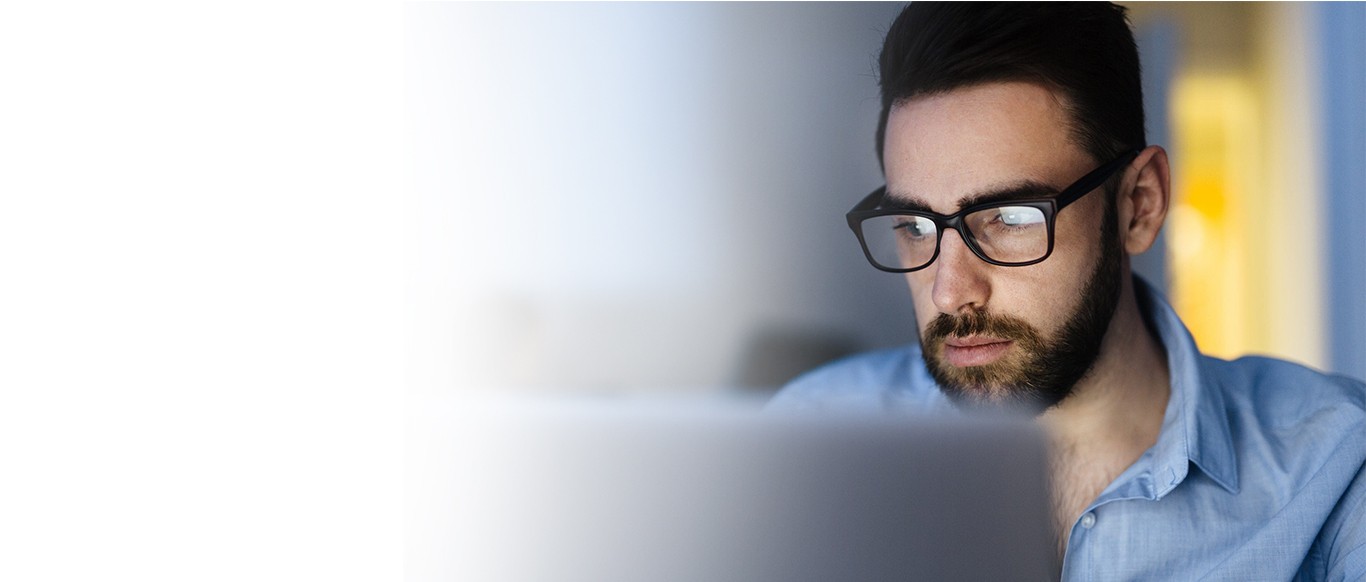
x,y
946,147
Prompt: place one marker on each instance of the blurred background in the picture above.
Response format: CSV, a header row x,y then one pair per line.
x,y
626,198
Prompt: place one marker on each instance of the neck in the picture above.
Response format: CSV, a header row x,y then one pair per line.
x,y
1115,412
1112,416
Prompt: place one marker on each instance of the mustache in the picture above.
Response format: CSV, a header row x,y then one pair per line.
x,y
980,323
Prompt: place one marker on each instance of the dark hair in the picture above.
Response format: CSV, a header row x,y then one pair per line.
x,y
1083,50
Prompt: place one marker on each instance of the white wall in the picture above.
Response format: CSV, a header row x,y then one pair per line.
x,y
200,266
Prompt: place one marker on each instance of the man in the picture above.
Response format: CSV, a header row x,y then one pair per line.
x,y
1018,184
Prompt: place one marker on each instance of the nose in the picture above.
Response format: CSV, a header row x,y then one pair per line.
x,y
960,282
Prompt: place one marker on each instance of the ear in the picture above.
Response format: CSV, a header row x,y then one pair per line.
x,y
1143,200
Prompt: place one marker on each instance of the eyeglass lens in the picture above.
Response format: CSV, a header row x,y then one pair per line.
x,y
1006,234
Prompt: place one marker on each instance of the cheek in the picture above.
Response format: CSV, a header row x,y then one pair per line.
x,y
1077,232
921,286
1058,282
1035,294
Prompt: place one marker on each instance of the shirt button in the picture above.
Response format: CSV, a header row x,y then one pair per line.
x,y
1088,520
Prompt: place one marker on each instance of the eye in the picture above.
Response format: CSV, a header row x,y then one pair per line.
x,y
914,226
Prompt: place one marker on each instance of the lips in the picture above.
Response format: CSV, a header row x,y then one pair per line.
x,y
975,350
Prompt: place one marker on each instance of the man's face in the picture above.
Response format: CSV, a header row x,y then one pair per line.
x,y
1004,336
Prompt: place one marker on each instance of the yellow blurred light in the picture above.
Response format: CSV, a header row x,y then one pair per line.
x,y
1215,183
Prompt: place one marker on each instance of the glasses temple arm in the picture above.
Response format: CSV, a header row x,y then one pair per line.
x,y
1093,180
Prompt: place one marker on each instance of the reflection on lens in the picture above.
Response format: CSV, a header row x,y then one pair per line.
x,y
1010,234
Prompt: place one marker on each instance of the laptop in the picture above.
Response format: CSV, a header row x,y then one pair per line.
x,y
617,490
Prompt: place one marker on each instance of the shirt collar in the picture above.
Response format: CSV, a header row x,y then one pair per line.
x,y
1195,427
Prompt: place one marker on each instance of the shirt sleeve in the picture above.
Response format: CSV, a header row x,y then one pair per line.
x,y
872,381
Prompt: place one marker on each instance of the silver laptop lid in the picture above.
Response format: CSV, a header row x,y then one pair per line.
x,y
585,491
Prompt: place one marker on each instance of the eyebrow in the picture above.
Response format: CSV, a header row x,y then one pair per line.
x,y
1022,190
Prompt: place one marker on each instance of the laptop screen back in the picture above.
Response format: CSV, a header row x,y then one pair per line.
x,y
621,492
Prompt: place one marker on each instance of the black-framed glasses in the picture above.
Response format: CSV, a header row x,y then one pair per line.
x,y
1013,233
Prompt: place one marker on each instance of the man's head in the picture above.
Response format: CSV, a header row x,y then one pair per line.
x,y
986,103
1083,51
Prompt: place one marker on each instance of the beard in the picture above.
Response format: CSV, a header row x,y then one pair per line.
x,y
1040,372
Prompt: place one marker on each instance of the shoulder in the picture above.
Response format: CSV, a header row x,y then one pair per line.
x,y
1305,430
1283,395
1298,416
868,381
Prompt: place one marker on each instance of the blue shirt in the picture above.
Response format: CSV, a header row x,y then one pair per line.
x,y
1257,473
